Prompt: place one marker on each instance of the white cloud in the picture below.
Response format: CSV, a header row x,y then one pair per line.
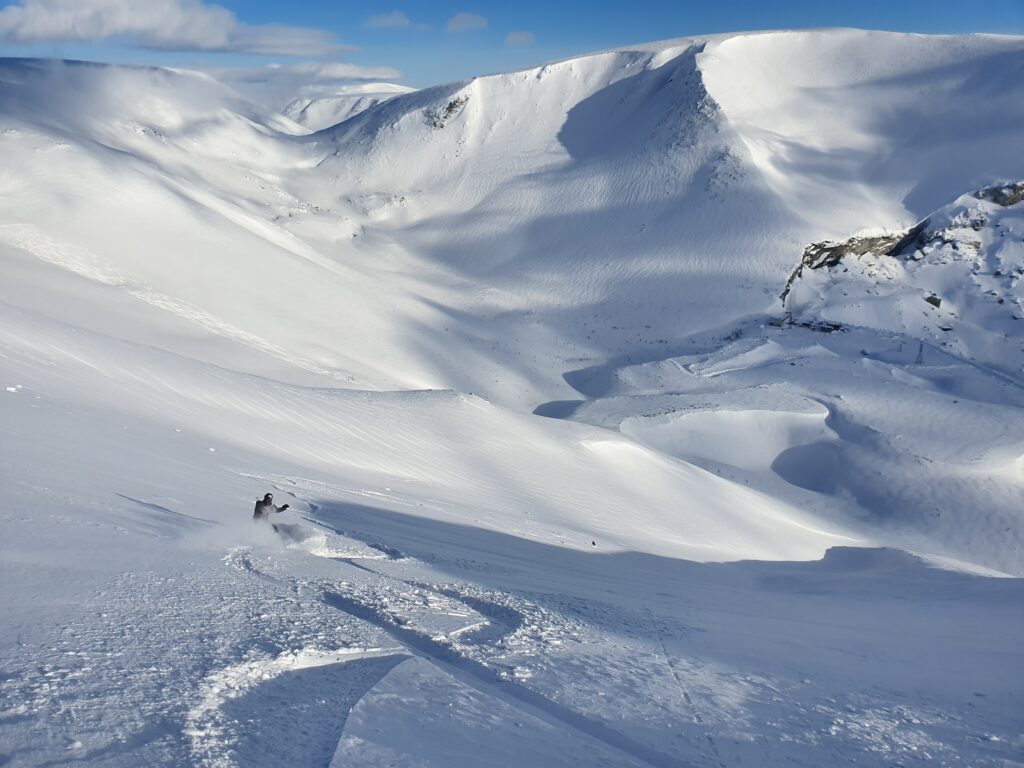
x,y
519,38
159,24
463,21
393,20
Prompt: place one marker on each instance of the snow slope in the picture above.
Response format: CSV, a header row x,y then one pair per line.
x,y
323,111
743,542
853,126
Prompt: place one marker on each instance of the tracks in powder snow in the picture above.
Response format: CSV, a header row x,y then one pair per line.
x,y
483,678
410,612
501,621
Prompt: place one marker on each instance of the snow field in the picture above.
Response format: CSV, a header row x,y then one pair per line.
x,y
745,541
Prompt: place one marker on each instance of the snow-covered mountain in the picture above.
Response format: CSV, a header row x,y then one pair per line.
x,y
636,172
204,302
317,112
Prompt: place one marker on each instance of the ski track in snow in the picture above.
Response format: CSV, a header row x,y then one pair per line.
x,y
394,604
217,744
203,720
570,485
501,621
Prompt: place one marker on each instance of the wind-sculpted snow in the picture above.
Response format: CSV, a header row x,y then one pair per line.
x,y
856,424
858,129
747,539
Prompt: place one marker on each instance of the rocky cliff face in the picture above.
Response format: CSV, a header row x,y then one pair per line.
x,y
953,279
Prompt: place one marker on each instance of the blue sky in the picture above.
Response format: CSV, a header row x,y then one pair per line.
x,y
423,43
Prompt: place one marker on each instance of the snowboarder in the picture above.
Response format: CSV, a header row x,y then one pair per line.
x,y
265,506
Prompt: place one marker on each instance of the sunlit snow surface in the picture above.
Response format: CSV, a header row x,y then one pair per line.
x,y
568,484
324,110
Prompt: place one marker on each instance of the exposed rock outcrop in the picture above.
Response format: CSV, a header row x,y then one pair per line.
x,y
953,279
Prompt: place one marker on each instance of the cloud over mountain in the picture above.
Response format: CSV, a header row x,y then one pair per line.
x,y
191,25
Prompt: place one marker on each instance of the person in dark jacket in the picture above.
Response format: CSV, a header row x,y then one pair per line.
x,y
265,506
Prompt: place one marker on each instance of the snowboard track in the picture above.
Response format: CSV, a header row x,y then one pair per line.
x,y
484,679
